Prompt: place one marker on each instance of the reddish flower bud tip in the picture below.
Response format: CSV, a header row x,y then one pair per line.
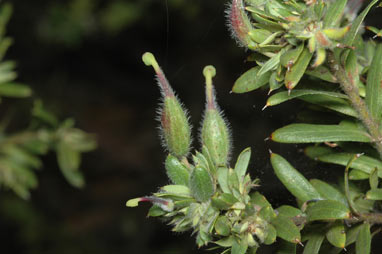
x,y
209,72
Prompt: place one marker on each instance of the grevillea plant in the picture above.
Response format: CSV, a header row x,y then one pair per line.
x,y
307,50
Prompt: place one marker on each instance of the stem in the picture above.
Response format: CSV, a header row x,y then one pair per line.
x,y
351,90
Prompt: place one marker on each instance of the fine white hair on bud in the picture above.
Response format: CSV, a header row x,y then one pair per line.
x,y
215,133
175,130
239,23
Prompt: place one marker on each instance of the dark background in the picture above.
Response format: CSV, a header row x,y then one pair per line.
x,y
83,58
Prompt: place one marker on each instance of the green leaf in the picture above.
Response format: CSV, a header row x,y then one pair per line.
x,y
356,174
315,151
259,200
286,229
327,210
281,97
314,244
271,64
288,211
374,86
224,201
293,76
242,162
293,180
179,190
291,56
155,211
373,180
69,161
15,90
271,235
250,81
334,13
336,235
374,194
239,248
323,73
327,191
222,226
201,184
363,242
336,104
222,176
356,24
364,163
176,171
311,133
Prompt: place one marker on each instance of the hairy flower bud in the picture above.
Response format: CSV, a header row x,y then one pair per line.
x,y
215,133
175,129
239,24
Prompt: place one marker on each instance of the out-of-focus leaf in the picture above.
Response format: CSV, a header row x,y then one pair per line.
x,y
242,162
363,242
311,133
336,235
327,210
374,194
250,81
373,87
239,248
314,244
285,95
271,236
328,191
14,90
286,229
293,180
222,226
69,161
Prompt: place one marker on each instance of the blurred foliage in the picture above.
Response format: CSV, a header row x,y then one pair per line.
x,y
20,150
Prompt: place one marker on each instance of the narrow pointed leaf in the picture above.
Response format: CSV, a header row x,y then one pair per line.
x,y
285,95
293,180
327,210
327,191
356,24
314,152
323,73
364,163
250,81
373,180
271,64
312,133
336,104
242,162
314,244
363,242
222,176
374,86
356,174
293,76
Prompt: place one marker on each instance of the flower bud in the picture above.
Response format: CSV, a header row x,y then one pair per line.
x,y
175,129
215,133
239,24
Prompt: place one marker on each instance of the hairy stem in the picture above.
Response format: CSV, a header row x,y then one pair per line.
x,y
351,90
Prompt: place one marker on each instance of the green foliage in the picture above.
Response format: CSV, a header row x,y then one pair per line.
x,y
317,46
20,150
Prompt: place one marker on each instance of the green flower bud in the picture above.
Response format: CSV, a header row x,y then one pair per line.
x,y
215,133
175,128
239,24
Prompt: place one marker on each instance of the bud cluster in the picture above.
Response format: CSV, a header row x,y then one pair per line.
x,y
207,196
291,34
